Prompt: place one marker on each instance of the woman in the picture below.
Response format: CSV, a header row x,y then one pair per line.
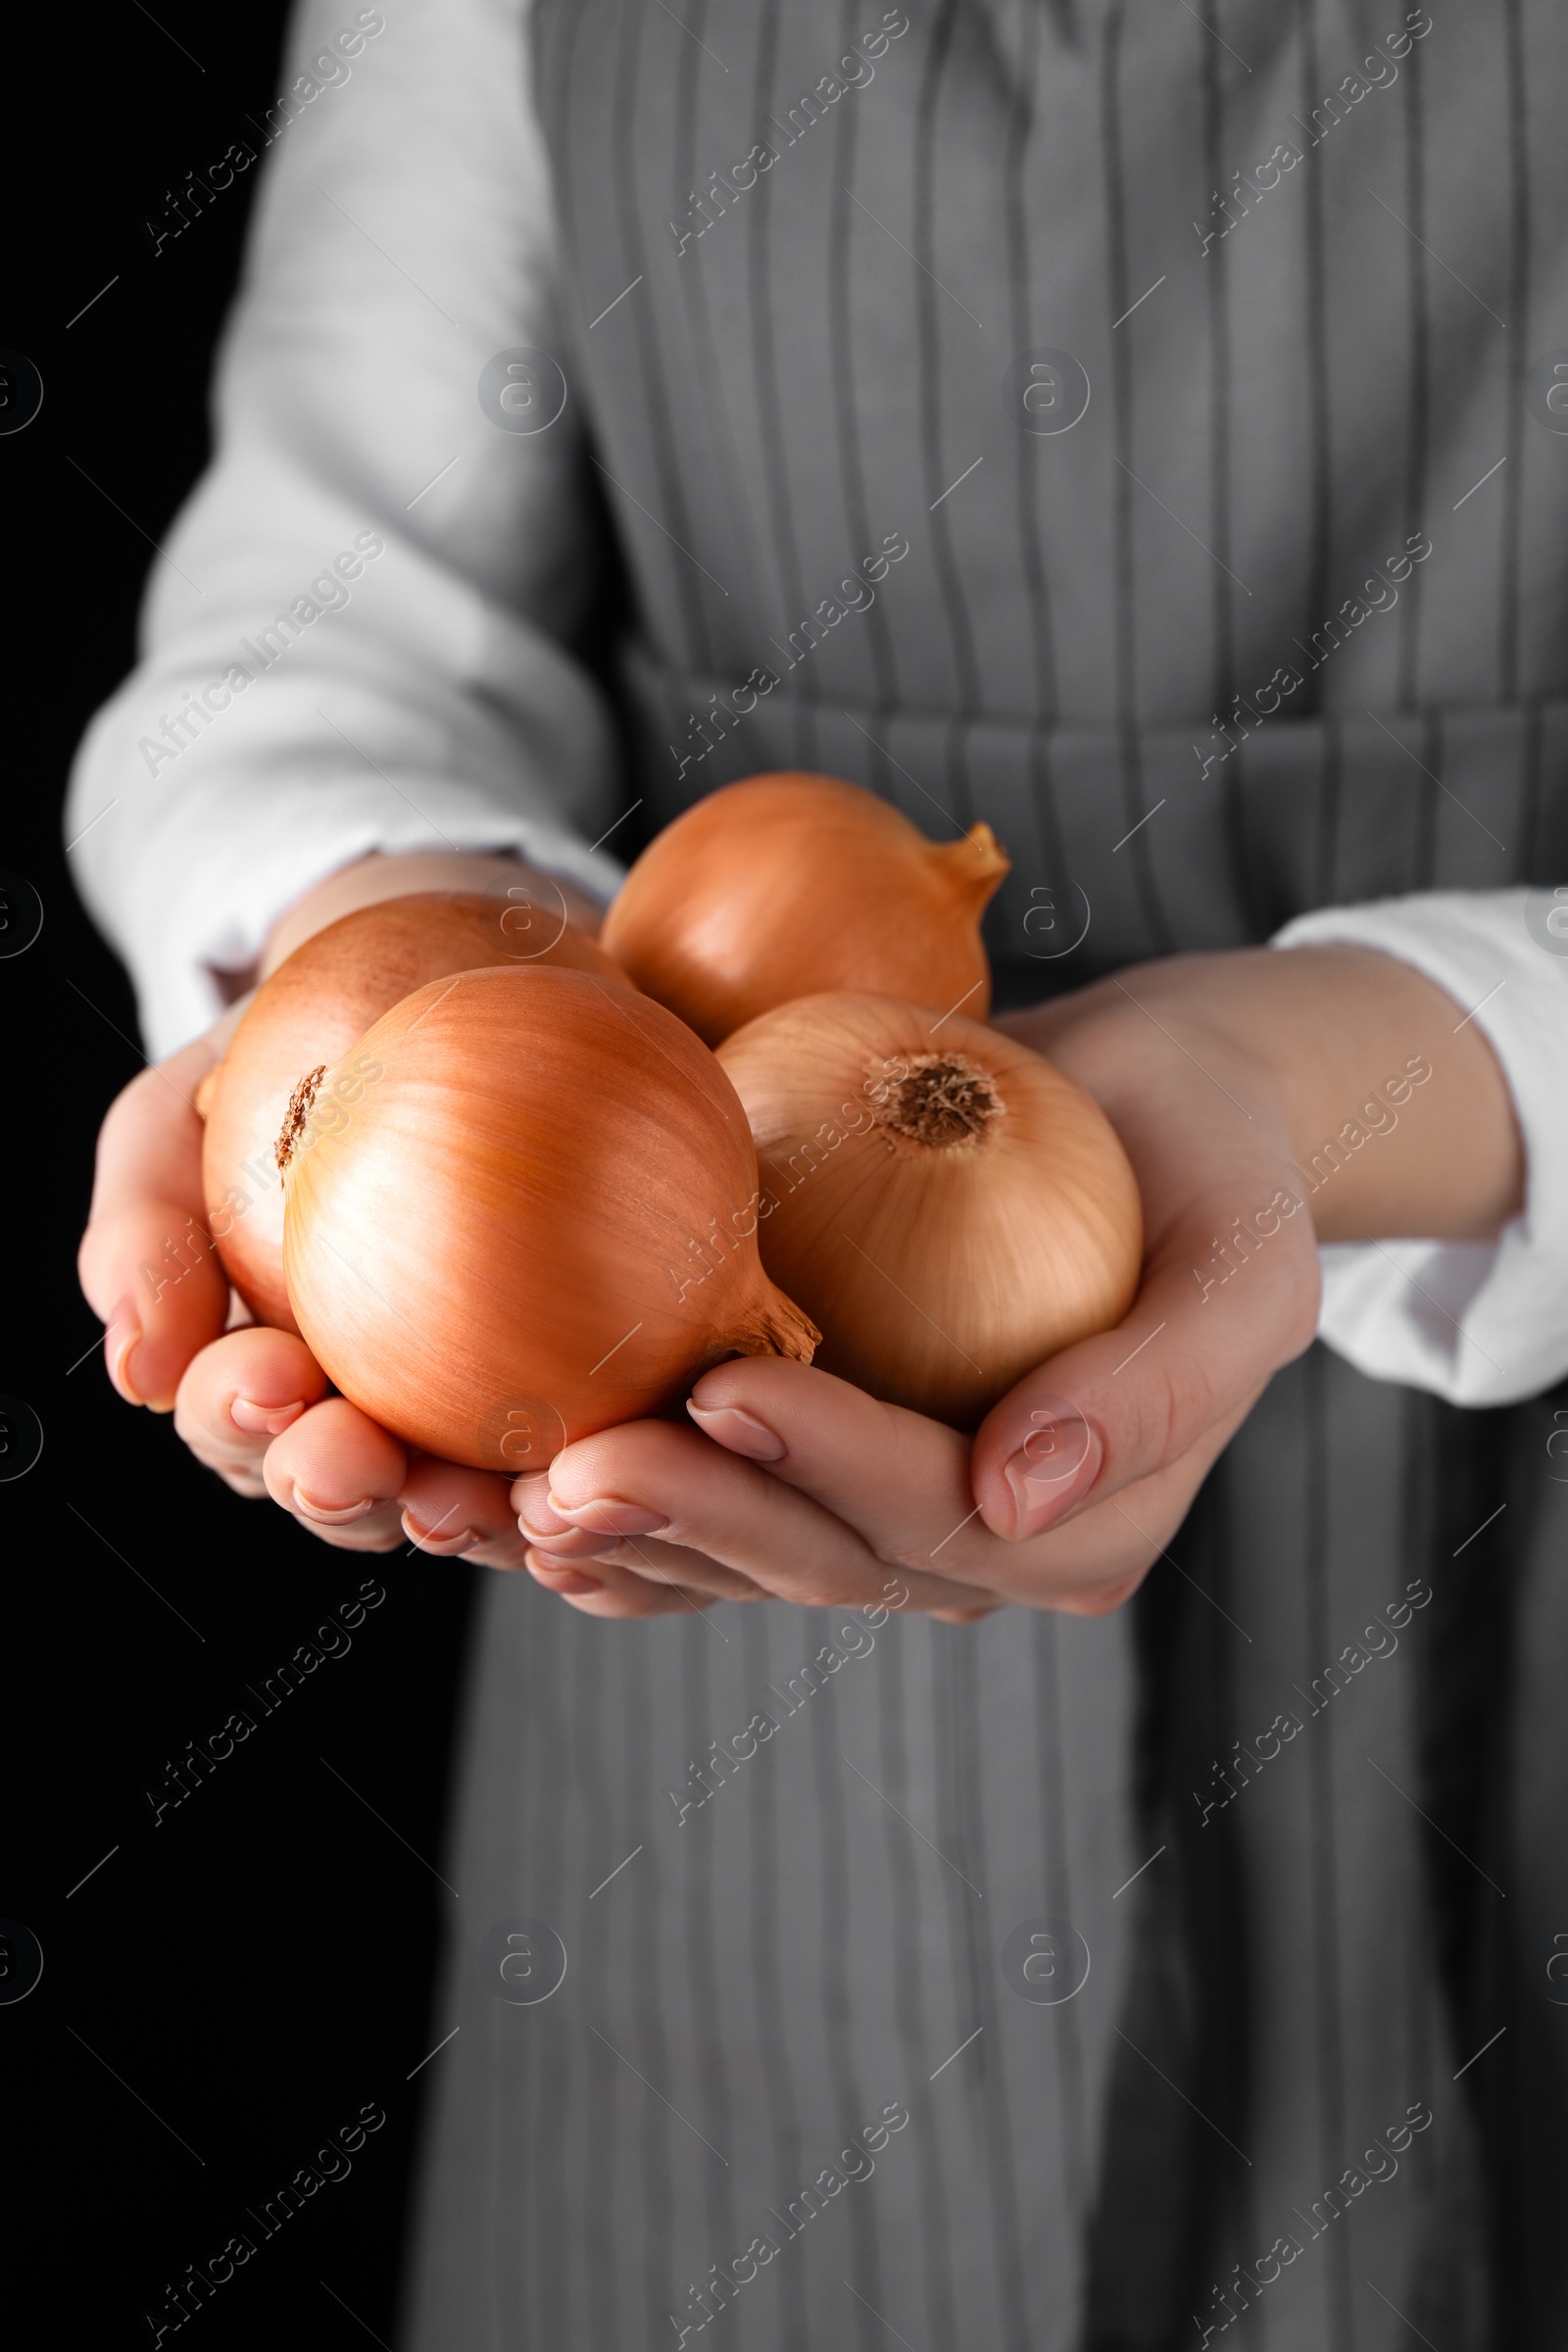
x,y
1109,428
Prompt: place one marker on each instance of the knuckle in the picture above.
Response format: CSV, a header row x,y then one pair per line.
x,y
1302,1304
1106,1599
908,1555
499,1554
833,1592
617,1554
362,1535
247,1483
1179,1403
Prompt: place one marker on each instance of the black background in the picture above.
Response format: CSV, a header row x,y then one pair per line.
x,y
258,1966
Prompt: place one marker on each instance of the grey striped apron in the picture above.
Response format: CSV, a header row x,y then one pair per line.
x,y
1140,428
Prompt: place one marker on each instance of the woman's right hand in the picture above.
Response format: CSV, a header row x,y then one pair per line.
x,y
251,1404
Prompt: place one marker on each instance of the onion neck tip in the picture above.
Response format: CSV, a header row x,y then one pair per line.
x,y
783,1329
979,861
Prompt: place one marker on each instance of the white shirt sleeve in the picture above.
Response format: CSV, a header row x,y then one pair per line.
x,y
1478,1323
356,635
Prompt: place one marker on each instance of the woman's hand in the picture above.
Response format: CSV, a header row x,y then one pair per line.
x,y
1223,1075
252,1403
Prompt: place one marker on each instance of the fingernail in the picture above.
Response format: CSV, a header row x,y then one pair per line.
x,y
430,1540
568,1543
264,1420
572,1584
122,1338
326,1517
738,1431
607,1514
533,1511
1040,1487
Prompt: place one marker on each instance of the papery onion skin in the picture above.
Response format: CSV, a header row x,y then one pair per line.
x,y
523,1209
788,885
307,1012
938,1273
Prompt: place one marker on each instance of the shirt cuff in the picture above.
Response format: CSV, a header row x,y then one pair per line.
x,y
1478,1323
254,884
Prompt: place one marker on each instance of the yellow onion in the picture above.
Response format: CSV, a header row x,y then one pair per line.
x,y
521,1208
788,885
949,1207
310,1012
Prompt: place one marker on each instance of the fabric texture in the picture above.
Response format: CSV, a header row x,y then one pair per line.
x,y
1091,642
1478,1323
1295,1979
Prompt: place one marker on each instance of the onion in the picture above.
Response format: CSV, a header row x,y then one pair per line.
x,y
787,885
523,1208
317,1003
947,1206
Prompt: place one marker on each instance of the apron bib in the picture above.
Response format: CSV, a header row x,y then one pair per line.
x,y
1058,414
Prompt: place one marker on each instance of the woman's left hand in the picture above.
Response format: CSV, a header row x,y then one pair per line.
x,y
1219,1072
818,1493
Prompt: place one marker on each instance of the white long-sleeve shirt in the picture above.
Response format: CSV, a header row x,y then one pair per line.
x,y
358,634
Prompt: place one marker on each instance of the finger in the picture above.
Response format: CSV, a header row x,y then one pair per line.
x,y
676,1565
613,1593
903,1483
653,1478
557,1541
147,1263
239,1393
540,1523
1231,1281
900,1481
696,1579
450,1512
697,1575
339,1473
1199,1342
1092,1563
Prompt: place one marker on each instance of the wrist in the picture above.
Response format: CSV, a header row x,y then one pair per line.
x,y
1400,1118
1339,1037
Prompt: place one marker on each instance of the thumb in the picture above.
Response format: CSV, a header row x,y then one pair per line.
x,y
147,1263
1213,1321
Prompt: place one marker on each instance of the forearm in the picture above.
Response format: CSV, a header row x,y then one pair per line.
x,y
372,879
1339,1036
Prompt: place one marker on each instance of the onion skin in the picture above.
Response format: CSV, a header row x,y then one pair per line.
x,y
788,885
525,1209
940,1273
317,1004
